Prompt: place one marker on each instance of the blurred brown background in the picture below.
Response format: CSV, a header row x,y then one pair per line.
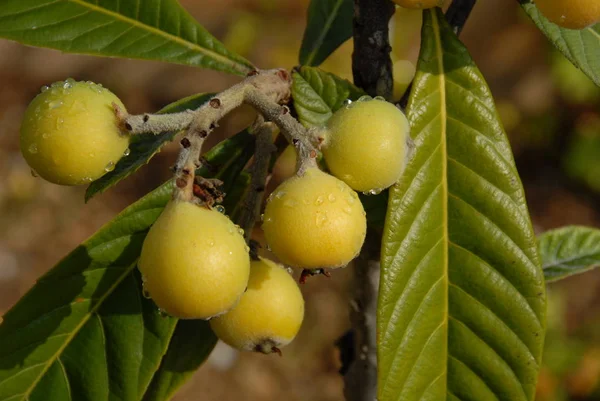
x,y
550,111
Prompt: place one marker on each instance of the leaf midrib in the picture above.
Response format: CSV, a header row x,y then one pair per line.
x,y
190,45
76,330
324,32
444,182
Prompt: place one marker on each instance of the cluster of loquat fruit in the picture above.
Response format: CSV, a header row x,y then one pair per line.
x,y
195,262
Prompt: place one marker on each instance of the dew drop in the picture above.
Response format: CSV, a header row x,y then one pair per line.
x,y
331,198
146,293
162,313
240,230
319,200
127,152
246,248
262,217
350,200
44,88
365,98
34,173
109,167
268,220
45,135
211,242
290,202
347,102
55,104
320,219
220,209
33,149
347,210
67,84
379,98
280,194
59,122
289,270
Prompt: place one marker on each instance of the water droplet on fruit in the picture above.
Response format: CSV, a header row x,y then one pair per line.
x,y
246,248
319,200
211,242
34,173
331,198
268,219
347,210
59,122
109,167
321,218
365,98
44,88
55,104
45,135
240,230
289,270
162,313
33,149
262,217
290,202
379,98
280,194
347,102
88,179
67,85
127,152
220,209
146,293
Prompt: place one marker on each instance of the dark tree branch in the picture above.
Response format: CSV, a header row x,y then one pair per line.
x,y
371,62
458,13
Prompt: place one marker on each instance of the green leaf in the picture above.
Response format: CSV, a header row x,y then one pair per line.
x,y
143,29
317,94
143,147
84,331
581,47
461,311
329,24
568,251
182,359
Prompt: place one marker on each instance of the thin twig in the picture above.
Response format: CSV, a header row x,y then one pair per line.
x,y
294,132
264,149
273,86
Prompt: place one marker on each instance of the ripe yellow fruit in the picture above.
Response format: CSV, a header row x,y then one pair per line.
x,y
69,134
269,313
420,4
366,144
314,221
194,262
572,14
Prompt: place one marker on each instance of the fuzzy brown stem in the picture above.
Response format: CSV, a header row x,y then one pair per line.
x,y
259,170
294,132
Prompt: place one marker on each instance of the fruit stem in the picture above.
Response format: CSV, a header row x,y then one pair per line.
x,y
273,85
260,169
293,131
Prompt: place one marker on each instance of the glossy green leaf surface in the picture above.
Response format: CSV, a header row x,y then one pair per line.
x,y
84,331
143,29
143,147
568,251
183,357
328,25
461,312
317,94
582,47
